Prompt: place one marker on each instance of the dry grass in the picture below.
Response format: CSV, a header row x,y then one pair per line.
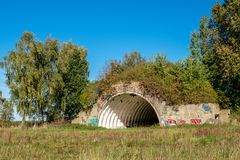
x,y
186,142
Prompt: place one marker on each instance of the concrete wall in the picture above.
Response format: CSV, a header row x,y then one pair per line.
x,y
167,115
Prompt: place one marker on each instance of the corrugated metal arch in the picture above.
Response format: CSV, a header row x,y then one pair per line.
x,y
127,109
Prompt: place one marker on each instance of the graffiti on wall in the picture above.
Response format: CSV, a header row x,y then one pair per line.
x,y
206,108
195,121
181,122
94,121
171,122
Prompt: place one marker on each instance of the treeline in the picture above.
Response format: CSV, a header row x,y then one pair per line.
x,y
49,80
46,78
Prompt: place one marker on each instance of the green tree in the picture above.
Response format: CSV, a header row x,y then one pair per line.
x,y
17,66
43,73
195,83
75,77
217,45
6,109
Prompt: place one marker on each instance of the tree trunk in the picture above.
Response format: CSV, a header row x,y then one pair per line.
x,y
23,119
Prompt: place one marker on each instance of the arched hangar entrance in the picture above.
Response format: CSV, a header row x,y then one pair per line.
x,y
127,110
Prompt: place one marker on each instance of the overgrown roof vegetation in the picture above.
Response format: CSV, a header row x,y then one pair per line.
x,y
176,83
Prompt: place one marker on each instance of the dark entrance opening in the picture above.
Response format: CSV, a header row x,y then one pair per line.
x,y
127,110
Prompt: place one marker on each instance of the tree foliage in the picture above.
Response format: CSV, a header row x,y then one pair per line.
x,y
6,109
75,78
43,77
217,45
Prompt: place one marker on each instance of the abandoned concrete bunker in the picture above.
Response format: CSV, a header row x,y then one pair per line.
x,y
129,106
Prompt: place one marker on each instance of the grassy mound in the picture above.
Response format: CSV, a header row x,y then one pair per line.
x,y
182,82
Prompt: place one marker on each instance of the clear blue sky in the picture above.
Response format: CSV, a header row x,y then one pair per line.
x,y
106,28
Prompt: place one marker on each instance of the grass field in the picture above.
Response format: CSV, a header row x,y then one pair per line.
x,y
81,142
